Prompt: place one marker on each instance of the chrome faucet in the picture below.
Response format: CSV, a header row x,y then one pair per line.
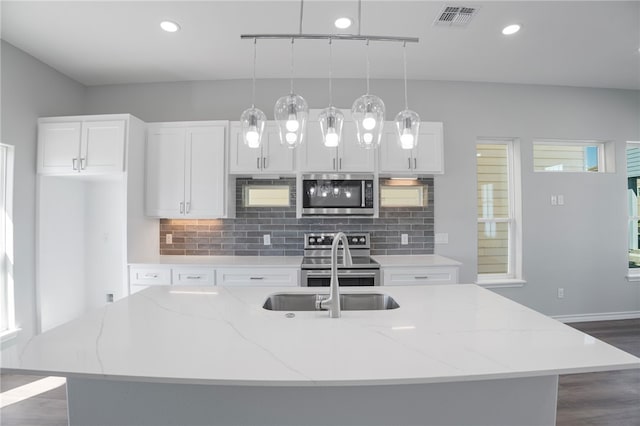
x,y
333,302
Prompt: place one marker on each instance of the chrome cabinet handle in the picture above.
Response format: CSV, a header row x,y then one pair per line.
x,y
193,277
426,277
188,208
334,164
415,163
340,164
258,163
264,162
149,275
256,278
409,161
181,208
73,163
82,163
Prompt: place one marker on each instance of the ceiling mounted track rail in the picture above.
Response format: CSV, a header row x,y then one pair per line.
x,y
301,36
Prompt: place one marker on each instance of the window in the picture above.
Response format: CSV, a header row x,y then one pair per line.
x,y
498,211
7,314
568,156
633,187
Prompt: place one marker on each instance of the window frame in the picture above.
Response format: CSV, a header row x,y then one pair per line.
x,y
7,157
513,276
633,274
600,145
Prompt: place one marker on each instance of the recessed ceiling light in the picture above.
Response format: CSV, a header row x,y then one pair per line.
x,y
169,26
511,29
342,23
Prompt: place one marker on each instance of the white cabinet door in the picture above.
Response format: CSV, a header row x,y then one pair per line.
x,y
165,172
419,276
429,155
263,277
426,158
102,146
204,172
242,159
59,147
351,157
313,155
77,147
276,158
270,158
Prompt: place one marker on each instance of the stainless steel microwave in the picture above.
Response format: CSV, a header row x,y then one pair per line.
x,y
337,194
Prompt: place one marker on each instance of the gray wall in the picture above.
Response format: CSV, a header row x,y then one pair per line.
x,y
580,246
30,89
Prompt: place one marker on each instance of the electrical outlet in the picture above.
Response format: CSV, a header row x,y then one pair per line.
x,y
404,239
561,200
266,238
168,239
109,297
554,200
560,292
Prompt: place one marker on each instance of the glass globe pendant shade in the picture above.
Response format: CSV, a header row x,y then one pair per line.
x,y
407,127
331,120
368,113
252,122
291,113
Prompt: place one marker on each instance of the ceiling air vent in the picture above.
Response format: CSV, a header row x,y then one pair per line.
x,y
455,16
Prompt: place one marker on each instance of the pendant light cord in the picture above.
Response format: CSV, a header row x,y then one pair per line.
x,y
404,56
330,74
367,67
291,70
253,84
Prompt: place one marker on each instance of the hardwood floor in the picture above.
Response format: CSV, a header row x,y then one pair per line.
x,y
603,399
593,399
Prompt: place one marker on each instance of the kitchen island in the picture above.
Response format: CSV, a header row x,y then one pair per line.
x,y
449,355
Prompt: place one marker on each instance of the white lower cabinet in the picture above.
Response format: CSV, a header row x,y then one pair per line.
x,y
193,276
419,275
143,277
265,277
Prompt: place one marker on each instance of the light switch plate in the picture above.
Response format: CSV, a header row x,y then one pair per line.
x,y
404,239
442,238
168,239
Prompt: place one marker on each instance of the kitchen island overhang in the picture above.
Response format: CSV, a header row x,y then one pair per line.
x,y
445,349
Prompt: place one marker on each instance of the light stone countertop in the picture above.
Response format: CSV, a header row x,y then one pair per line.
x,y
415,260
224,261
223,336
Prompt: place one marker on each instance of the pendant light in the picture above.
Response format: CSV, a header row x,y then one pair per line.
x,y
252,120
291,113
368,113
407,121
331,118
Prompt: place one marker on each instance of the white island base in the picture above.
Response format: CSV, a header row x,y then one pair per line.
x,y
508,402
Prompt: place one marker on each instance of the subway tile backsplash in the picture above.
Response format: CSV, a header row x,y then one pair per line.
x,y
243,235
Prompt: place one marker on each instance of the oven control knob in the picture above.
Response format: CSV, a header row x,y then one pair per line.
x,y
354,239
312,240
362,240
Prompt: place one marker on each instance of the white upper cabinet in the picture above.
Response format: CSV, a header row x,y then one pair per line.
x,y
81,145
271,158
347,157
427,158
185,170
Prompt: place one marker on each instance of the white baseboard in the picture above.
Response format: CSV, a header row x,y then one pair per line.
x,y
603,316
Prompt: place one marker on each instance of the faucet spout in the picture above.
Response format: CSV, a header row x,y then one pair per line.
x,y
333,302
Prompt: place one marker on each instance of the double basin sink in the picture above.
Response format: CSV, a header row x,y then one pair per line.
x,y
348,302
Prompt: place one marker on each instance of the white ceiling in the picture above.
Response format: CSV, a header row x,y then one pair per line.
x,y
573,43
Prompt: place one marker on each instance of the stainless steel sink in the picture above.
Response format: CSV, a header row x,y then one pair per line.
x,y
348,302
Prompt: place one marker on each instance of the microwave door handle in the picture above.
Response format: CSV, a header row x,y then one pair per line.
x,y
363,197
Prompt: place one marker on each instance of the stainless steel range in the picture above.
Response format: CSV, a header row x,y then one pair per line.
x,y
316,263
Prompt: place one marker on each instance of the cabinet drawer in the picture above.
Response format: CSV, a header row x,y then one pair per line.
x,y
420,276
258,277
150,276
194,276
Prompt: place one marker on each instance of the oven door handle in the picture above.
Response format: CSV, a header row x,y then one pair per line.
x,y
350,273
